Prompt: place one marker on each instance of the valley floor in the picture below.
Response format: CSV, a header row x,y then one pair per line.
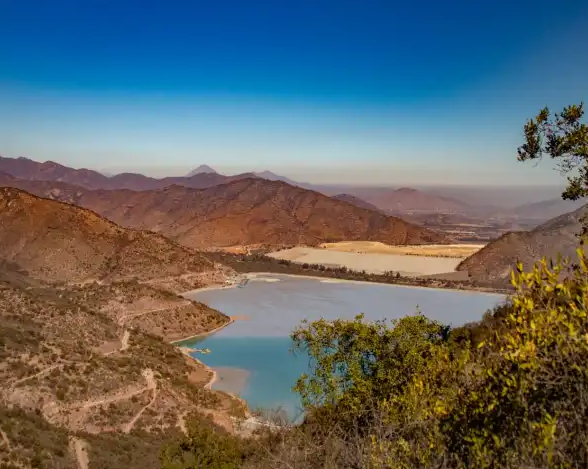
x,y
261,263
425,250
407,265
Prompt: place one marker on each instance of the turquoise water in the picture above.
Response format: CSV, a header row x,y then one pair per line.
x,y
261,343
273,369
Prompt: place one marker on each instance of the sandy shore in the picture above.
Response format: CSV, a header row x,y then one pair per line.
x,y
186,351
233,380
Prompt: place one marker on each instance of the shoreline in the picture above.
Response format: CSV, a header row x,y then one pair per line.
x,y
204,334
212,371
249,417
184,350
342,280
247,265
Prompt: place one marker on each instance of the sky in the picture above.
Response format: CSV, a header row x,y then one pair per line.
x,y
364,92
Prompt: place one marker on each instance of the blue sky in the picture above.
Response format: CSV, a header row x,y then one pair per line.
x,y
335,91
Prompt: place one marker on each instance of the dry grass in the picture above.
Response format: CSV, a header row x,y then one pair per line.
x,y
432,250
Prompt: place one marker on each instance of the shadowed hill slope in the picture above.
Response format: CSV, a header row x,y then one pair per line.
x,y
247,211
60,242
494,262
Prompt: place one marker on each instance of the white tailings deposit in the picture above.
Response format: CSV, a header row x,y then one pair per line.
x,y
408,266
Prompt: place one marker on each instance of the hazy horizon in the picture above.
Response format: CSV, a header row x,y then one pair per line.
x,y
324,92
317,177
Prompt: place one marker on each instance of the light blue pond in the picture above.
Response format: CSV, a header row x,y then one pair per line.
x,y
261,343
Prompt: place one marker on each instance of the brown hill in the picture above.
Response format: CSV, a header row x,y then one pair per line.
x,y
26,169
406,199
60,242
351,199
87,376
72,379
248,211
494,262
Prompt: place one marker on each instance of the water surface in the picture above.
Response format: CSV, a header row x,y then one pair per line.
x,y
261,343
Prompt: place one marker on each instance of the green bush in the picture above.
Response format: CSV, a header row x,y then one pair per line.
x,y
205,447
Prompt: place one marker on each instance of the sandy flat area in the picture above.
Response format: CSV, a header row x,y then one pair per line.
x,y
407,265
231,380
432,250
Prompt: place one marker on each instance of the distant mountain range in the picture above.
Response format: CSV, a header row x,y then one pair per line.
x,y
204,176
246,211
402,201
26,169
275,177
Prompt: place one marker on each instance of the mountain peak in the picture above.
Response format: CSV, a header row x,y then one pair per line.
x,y
203,168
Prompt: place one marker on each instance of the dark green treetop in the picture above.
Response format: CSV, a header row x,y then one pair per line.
x,y
564,138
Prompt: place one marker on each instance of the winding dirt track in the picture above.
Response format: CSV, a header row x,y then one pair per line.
x,y
40,373
5,440
124,317
151,384
80,450
125,340
52,410
182,422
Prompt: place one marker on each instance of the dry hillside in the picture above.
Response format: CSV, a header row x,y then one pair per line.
x,y
247,211
87,376
59,242
72,377
495,261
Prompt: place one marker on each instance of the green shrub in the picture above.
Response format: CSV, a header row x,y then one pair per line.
x,y
204,448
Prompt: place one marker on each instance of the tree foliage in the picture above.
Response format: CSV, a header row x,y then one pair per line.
x,y
204,447
518,399
564,138
357,365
